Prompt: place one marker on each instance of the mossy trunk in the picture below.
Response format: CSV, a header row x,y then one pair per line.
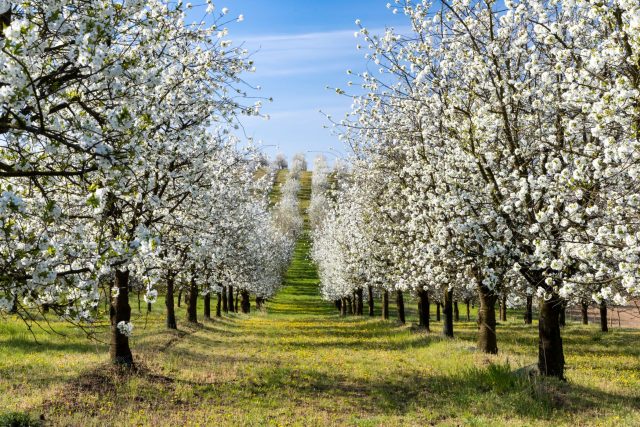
x,y
225,302
400,306
207,306
219,305
550,351
423,308
371,307
456,312
168,302
584,309
487,340
192,306
447,325
360,298
230,298
246,302
604,324
528,311
385,305
120,312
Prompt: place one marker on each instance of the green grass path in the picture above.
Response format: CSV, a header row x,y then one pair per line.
x,y
300,363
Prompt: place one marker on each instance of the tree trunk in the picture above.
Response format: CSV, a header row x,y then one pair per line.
x,y
385,305
343,307
219,305
360,297
423,308
550,352
258,303
562,318
237,308
487,340
437,311
468,310
503,308
456,312
584,308
179,296
149,307
400,305
168,302
230,298
207,306
447,325
139,302
120,312
371,308
192,312
246,302
528,313
225,306
604,327
350,305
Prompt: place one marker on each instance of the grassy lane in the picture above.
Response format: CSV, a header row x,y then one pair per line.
x,y
299,363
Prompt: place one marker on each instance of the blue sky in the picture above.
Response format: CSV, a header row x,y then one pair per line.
x,y
300,48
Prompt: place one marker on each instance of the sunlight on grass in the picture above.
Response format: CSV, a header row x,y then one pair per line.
x,y
299,363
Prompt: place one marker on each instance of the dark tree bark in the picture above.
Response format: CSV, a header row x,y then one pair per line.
x,y
584,308
338,304
207,306
438,311
528,313
385,305
120,312
562,318
503,308
423,308
343,307
192,307
168,302
179,296
370,295
219,305
350,305
246,302
225,306
550,351
456,312
400,305
447,325
487,340
139,302
468,304
230,298
604,326
259,301
360,305
237,308
149,307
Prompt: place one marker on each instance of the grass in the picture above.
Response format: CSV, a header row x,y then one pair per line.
x,y
299,363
